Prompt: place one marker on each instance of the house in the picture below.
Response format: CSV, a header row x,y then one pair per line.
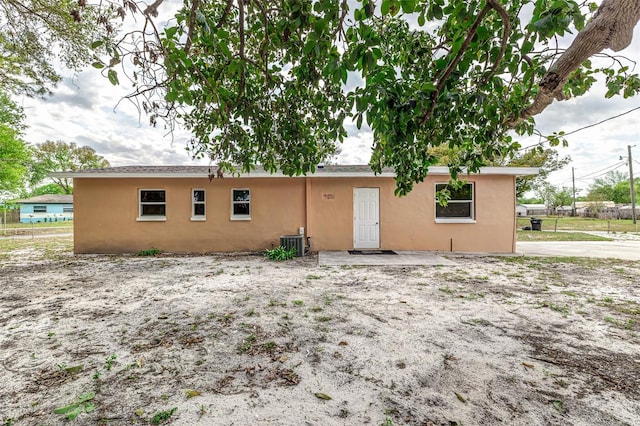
x,y
185,209
521,210
536,209
46,208
601,209
626,212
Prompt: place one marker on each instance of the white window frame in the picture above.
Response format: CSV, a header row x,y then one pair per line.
x,y
194,202
40,208
472,207
233,202
151,218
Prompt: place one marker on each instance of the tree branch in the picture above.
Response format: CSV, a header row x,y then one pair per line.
x,y
454,63
192,24
506,31
611,28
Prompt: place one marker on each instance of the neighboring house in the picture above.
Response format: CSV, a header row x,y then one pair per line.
x,y
536,209
601,209
46,208
181,209
564,210
625,212
521,210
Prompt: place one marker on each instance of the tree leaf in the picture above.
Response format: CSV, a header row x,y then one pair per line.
x,y
322,396
113,77
460,397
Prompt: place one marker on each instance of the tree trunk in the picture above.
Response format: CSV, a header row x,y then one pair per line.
x,y
611,28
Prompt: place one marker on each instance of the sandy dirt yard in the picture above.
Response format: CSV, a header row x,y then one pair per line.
x,y
240,340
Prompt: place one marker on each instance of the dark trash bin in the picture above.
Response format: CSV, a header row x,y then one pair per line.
x,y
536,224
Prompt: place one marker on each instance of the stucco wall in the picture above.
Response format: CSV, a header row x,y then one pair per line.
x,y
106,212
408,223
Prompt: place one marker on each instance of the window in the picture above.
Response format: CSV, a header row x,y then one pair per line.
x,y
198,204
67,209
39,209
460,208
153,204
240,204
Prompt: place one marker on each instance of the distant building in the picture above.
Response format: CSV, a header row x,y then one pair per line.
x,y
521,210
46,208
536,209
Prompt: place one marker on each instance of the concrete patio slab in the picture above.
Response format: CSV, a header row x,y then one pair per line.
x,y
402,258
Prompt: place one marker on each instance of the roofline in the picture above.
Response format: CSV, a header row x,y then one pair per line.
x,y
437,170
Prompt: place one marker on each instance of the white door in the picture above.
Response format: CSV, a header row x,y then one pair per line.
x,y
366,218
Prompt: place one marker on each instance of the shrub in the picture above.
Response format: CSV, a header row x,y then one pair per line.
x,y
149,252
280,253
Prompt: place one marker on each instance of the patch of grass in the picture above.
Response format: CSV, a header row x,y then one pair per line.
x,y
247,343
446,289
563,309
47,248
557,236
162,416
314,277
298,303
324,318
580,224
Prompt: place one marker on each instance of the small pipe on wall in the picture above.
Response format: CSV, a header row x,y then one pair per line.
x,y
451,245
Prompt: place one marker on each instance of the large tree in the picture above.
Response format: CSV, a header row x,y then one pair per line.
x,y
272,83
547,160
259,82
14,152
63,156
614,186
14,158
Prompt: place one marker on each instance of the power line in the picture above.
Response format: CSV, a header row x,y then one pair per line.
x,y
613,167
580,129
601,174
603,121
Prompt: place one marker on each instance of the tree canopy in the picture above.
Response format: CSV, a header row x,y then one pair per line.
x,y
63,156
273,83
37,35
14,152
614,186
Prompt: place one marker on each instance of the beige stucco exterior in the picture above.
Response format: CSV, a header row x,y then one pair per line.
x,y
106,215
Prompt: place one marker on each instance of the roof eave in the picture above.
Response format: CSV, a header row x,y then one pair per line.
x,y
438,170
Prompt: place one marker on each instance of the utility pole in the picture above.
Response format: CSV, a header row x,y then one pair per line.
x,y
633,191
573,180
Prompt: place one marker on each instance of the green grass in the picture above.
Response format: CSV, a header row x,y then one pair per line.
x,y
62,223
557,236
568,223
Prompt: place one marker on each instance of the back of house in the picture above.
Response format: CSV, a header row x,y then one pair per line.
x,y
189,209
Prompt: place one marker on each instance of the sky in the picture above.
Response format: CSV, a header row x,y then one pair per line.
x,y
85,109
